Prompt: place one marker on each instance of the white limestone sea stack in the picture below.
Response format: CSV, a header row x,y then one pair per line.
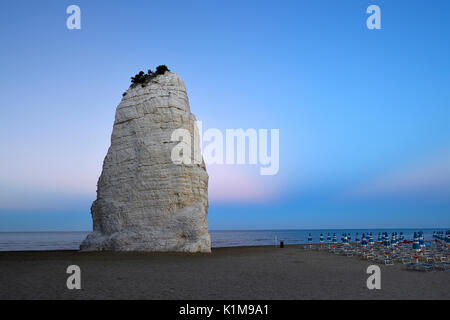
x,y
146,202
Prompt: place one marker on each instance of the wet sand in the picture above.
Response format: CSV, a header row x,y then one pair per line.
x,y
226,273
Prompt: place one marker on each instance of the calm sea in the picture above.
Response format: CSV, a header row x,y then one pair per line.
x,y
31,241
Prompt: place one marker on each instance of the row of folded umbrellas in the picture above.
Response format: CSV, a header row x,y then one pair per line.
x,y
366,239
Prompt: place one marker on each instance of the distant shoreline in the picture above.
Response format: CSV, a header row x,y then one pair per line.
x,y
147,252
51,241
253,230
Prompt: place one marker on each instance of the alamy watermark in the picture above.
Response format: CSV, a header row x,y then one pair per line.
x,y
374,280
74,280
74,20
229,148
374,20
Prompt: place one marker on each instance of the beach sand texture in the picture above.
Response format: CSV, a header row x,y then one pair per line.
x,y
226,273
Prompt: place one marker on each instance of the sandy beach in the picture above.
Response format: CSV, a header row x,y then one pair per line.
x,y
226,273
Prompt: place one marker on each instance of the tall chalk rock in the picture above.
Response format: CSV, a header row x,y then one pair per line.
x,y
146,202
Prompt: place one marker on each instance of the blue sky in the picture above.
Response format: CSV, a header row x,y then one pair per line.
x,y
363,114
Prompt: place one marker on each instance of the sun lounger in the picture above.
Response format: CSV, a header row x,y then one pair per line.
x,y
412,265
442,266
426,267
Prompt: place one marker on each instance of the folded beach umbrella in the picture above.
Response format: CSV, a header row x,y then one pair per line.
x,y
321,238
393,239
447,237
386,242
345,239
371,242
416,244
349,237
310,238
364,240
401,237
357,237
334,238
421,239
329,238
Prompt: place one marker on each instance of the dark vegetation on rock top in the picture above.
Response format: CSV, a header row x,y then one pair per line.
x,y
143,78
